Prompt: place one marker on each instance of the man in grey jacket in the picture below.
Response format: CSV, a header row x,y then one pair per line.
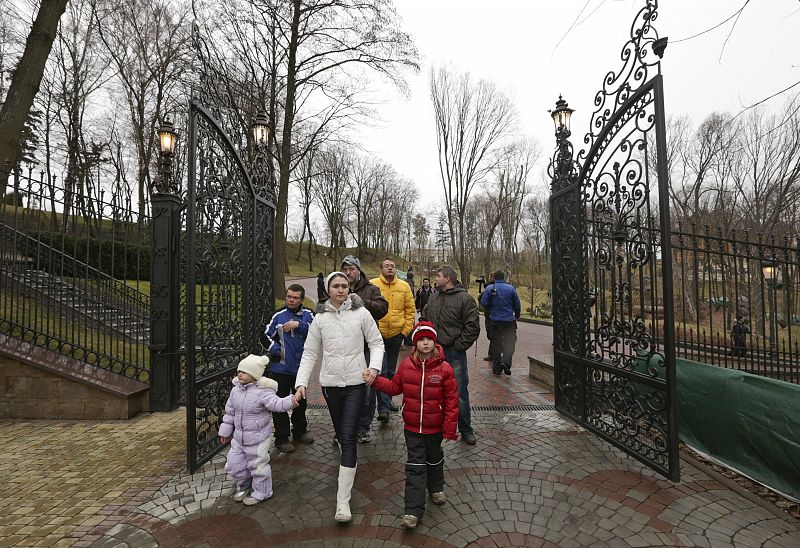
x,y
455,314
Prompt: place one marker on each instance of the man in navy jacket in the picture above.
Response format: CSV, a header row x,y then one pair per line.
x,y
502,302
285,336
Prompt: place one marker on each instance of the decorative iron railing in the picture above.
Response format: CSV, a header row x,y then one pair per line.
x,y
74,271
721,275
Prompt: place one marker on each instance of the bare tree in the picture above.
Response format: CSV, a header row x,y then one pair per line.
x,y
25,83
767,173
78,71
366,172
330,187
472,118
304,182
421,235
505,193
328,45
147,43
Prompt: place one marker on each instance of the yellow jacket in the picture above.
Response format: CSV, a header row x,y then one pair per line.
x,y
400,318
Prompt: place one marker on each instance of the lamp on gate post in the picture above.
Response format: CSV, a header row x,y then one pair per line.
x,y
562,168
260,129
165,375
561,116
262,174
772,275
167,138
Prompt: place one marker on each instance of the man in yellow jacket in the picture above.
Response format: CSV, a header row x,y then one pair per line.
x,y
394,326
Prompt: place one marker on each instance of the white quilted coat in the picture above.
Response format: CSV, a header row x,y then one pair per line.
x,y
337,338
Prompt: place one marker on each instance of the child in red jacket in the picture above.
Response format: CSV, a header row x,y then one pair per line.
x,y
430,412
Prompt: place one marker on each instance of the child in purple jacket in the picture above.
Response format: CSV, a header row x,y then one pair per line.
x,y
248,424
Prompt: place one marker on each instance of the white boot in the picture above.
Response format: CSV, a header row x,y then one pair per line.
x,y
346,478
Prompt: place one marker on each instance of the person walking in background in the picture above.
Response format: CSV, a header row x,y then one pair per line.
x,y
503,304
395,326
410,281
423,294
321,295
378,307
247,423
487,323
454,313
739,332
284,337
430,412
336,338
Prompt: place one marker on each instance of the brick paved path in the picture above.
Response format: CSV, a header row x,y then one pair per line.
x,y
533,479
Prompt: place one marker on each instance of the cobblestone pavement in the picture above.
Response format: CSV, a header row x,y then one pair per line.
x,y
533,479
60,479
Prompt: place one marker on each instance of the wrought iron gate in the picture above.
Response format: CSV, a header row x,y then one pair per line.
x,y
228,266
611,263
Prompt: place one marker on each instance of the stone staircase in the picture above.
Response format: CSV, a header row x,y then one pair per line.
x,y
98,302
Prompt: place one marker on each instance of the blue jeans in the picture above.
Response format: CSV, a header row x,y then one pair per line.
x,y
392,350
459,362
368,405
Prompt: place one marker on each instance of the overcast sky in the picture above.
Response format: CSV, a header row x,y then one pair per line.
x,y
515,44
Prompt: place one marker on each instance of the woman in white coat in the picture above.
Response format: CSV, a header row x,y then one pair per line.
x,y
336,337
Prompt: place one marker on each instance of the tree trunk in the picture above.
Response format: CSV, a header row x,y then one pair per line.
x,y
286,152
25,83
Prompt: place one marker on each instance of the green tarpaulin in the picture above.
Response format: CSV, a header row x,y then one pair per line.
x,y
749,423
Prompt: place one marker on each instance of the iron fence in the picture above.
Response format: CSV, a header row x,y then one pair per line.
x,y
736,300
74,272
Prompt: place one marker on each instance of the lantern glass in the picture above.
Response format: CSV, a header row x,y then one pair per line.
x,y
167,137
770,270
167,142
260,128
561,114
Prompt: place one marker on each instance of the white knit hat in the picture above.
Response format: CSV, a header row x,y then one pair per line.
x,y
332,275
253,365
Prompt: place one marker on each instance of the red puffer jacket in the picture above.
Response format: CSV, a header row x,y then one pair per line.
x,y
430,395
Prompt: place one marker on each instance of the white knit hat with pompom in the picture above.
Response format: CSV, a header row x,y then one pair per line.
x,y
253,365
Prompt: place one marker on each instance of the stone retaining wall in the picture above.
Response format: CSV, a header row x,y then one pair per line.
x,y
31,391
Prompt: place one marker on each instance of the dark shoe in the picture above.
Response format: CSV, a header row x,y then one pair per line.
x,y
383,417
506,369
469,438
285,447
304,438
487,359
497,370
363,437
393,408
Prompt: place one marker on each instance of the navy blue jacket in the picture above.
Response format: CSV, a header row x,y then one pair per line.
x,y
287,348
502,302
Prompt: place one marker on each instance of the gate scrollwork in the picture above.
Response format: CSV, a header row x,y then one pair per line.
x,y
612,310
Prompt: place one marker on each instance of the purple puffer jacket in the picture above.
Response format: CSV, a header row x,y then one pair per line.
x,y
247,412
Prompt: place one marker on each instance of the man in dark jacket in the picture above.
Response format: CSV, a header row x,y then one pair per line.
x,y
503,307
454,313
423,294
378,307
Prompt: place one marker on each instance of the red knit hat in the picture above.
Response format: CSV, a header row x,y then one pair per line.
x,y
423,329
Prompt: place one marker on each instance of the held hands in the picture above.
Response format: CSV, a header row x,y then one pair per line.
x,y
369,376
300,394
223,440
